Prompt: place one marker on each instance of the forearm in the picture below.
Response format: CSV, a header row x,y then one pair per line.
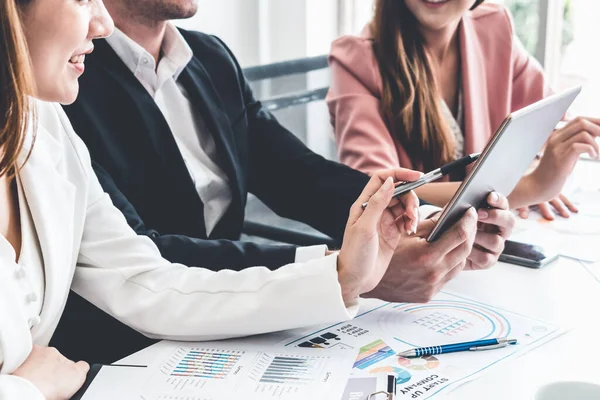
x,y
222,254
437,193
173,302
525,193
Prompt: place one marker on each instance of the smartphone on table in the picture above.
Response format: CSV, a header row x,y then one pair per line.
x,y
527,255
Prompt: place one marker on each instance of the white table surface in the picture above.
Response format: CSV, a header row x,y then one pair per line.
x,y
565,292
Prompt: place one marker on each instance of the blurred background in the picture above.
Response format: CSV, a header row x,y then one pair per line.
x,y
563,35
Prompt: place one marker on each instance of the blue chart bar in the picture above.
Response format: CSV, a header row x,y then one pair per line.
x,y
289,370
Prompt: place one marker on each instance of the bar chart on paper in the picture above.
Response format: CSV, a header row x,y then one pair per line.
x,y
197,367
208,372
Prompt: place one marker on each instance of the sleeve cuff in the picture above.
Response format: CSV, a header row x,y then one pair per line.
x,y
16,388
428,210
305,254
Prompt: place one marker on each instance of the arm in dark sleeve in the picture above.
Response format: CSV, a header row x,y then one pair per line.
x,y
291,179
211,254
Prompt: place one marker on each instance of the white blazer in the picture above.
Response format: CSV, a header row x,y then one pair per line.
x,y
87,245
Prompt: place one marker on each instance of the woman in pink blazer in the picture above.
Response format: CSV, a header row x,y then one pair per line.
x,y
428,81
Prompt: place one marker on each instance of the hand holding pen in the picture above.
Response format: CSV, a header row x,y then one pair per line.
x,y
434,175
405,207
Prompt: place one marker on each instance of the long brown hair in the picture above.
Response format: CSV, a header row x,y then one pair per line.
x,y
16,85
410,100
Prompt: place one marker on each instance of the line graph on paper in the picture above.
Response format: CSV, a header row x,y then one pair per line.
x,y
443,321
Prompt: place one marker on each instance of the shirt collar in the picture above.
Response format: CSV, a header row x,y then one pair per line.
x,y
174,50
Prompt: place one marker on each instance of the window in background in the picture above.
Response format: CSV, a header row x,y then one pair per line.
x,y
581,58
575,60
527,21
354,15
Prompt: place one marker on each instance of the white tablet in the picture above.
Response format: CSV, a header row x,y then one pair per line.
x,y
506,157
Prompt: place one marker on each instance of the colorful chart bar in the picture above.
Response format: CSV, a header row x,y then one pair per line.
x,y
205,364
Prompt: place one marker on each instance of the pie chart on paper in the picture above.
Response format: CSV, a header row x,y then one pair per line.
x,y
402,375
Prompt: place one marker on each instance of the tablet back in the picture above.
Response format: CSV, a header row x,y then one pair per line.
x,y
507,156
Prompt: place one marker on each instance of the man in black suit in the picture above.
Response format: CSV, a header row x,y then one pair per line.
x,y
178,141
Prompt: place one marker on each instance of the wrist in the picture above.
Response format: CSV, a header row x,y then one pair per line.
x,y
349,284
526,192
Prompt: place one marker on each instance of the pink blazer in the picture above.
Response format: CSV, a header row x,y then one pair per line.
x,y
498,76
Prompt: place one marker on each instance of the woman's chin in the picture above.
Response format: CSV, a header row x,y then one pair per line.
x,y
66,94
69,95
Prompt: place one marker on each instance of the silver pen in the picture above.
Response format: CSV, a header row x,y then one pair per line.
x,y
434,175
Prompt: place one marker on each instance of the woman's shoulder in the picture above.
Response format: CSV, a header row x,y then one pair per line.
x,y
355,55
352,47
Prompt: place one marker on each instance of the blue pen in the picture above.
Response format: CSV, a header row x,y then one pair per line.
x,y
477,345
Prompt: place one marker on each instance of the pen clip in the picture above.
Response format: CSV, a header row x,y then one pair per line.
x,y
389,396
489,347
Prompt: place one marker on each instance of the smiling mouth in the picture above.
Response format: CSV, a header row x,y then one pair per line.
x,y
435,1
80,59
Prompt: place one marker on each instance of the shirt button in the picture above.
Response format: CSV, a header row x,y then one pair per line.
x,y
33,321
31,297
19,272
145,60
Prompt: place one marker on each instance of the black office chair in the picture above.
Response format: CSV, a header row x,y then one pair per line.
x,y
285,89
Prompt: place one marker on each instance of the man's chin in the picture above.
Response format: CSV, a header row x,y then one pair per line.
x,y
181,11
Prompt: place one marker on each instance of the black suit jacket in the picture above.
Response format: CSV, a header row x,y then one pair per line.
x,y
140,166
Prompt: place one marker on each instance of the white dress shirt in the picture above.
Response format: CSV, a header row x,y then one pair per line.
x,y
28,271
195,143
193,139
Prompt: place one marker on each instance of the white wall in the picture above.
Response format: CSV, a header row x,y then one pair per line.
x,y
265,31
234,21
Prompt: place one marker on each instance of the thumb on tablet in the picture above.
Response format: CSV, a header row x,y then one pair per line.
x,y
459,233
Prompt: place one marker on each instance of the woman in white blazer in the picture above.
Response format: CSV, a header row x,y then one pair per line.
x,y
60,231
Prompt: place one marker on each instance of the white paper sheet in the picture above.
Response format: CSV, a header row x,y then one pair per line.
x,y
231,370
116,383
389,328
576,237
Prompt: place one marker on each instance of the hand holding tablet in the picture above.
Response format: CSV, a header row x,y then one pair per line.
x,y
507,156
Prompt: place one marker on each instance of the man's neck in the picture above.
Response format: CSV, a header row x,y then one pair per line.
x,y
149,36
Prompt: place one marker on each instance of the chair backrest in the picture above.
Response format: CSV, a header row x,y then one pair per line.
x,y
287,69
294,92
290,90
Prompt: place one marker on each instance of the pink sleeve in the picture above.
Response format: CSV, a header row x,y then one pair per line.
x,y
528,83
363,140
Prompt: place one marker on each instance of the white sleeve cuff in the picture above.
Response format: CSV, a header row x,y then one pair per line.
x,y
16,388
428,210
307,253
